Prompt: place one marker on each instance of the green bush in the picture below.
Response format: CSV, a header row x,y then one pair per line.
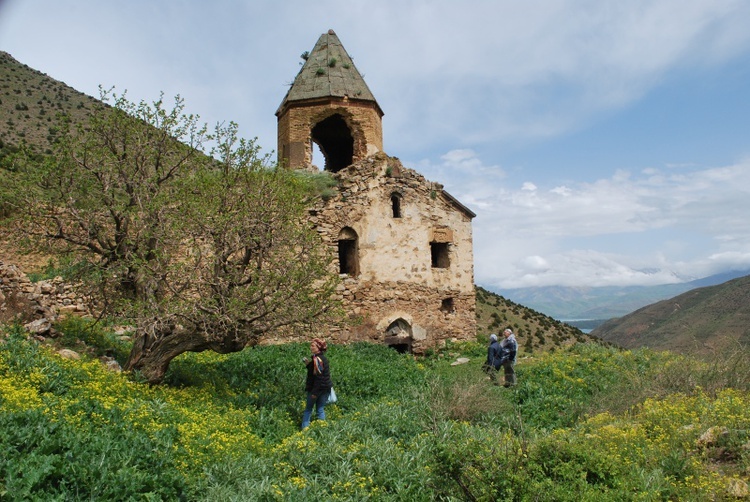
x,y
65,268
564,386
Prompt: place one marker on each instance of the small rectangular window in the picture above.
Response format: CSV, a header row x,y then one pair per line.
x,y
440,255
447,305
396,205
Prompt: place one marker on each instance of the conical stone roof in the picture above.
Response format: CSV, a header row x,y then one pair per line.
x,y
328,72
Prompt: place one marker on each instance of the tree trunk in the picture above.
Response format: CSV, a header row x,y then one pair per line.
x,y
155,348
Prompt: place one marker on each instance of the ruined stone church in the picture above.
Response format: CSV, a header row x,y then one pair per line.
x,y
401,244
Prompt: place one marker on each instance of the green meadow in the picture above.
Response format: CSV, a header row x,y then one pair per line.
x,y
585,423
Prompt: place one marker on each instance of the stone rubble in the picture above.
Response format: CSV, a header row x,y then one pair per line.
x,y
38,305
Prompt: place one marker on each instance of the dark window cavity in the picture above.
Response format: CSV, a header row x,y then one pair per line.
x,y
396,205
333,137
440,255
348,252
447,305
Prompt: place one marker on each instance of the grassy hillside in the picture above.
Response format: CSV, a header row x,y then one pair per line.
x,y
705,321
584,423
535,331
30,103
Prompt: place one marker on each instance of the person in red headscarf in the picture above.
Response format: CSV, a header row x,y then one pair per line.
x,y
318,384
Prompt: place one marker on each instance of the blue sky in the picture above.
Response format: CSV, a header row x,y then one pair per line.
x,y
599,142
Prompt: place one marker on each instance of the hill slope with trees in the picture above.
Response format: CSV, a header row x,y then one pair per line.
x,y
30,105
535,331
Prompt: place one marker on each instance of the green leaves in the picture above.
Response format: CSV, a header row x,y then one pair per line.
x,y
200,251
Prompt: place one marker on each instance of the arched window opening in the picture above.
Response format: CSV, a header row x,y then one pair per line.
x,y
440,255
396,205
398,336
336,143
348,252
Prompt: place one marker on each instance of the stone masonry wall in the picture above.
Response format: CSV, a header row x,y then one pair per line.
x,y
396,278
36,305
296,122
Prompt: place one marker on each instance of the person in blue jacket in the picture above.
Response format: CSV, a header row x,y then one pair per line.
x,y
494,358
318,384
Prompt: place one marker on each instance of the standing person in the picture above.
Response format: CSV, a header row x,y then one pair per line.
x,y
494,357
318,384
509,348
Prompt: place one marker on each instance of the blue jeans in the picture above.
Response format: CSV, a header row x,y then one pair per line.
x,y
319,403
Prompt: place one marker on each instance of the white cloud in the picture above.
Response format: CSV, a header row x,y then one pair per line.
x,y
585,268
674,222
536,263
562,190
443,71
521,72
481,185
455,77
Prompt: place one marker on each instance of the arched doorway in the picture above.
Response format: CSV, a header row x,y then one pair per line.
x,y
398,336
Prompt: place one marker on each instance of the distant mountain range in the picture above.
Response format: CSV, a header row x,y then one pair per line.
x,y
574,303
712,321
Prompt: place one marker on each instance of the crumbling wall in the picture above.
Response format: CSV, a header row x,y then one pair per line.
x,y
36,305
395,277
295,125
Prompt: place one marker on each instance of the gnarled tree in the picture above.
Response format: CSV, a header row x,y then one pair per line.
x,y
201,252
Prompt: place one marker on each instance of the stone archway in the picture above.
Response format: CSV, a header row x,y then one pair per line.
x,y
398,335
335,140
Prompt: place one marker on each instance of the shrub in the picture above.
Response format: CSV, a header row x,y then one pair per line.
x,y
73,442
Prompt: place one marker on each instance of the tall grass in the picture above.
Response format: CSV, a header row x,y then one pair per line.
x,y
589,423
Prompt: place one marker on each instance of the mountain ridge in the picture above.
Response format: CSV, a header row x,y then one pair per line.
x,y
606,302
703,321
